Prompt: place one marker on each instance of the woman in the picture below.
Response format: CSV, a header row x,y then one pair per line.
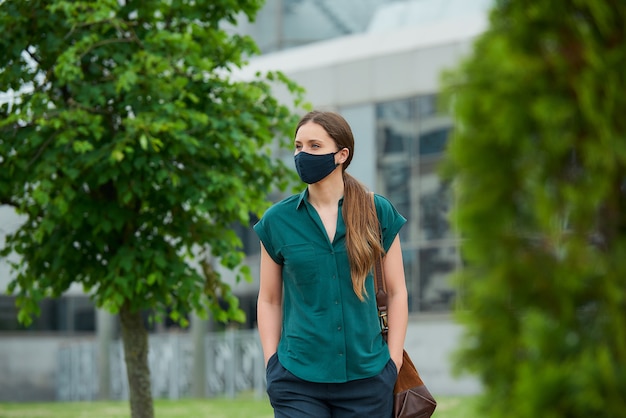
x,y
317,316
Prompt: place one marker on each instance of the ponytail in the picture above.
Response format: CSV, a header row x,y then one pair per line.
x,y
363,241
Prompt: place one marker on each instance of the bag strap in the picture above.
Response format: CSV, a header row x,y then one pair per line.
x,y
379,281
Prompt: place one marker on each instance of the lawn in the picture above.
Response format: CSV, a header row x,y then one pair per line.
x,y
448,407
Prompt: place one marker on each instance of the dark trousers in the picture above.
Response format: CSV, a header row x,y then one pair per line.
x,y
292,397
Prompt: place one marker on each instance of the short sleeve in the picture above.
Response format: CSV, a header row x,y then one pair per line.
x,y
263,232
391,221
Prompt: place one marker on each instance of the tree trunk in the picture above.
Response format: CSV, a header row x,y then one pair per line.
x,y
135,339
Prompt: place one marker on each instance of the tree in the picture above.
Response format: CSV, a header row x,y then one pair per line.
x,y
131,150
539,165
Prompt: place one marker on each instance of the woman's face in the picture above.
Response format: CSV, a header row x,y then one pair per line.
x,y
313,139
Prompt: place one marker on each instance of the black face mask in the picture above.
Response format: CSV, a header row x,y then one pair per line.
x,y
312,168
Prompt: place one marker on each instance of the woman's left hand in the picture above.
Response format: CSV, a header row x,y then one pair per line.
x,y
398,363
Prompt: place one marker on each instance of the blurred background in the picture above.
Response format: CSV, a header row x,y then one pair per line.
x,y
378,63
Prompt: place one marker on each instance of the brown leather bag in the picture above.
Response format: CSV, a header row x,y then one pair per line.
x,y
411,397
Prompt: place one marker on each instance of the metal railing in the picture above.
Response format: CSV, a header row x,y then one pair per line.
x,y
233,364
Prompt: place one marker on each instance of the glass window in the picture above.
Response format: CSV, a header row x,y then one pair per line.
x,y
397,132
412,136
434,206
64,314
436,264
433,142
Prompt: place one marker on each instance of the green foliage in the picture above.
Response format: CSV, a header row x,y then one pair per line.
x,y
131,150
539,163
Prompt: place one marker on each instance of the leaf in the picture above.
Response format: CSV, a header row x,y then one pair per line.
x,y
24,317
41,197
117,155
152,278
81,147
143,141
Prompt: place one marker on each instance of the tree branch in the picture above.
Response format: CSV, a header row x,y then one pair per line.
x,y
40,150
30,54
110,41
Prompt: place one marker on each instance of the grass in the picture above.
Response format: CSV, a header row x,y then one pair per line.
x,y
448,407
214,408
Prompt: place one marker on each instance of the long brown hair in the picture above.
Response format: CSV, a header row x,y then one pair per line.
x,y
362,230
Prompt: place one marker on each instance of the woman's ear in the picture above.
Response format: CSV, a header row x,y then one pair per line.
x,y
343,154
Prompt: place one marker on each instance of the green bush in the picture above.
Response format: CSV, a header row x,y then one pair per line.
x,y
538,161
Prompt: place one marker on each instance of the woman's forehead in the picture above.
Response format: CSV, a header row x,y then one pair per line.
x,y
312,131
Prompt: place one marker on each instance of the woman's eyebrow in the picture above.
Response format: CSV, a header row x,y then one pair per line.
x,y
309,140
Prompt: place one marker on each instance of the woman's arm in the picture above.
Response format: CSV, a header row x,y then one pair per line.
x,y
397,301
269,304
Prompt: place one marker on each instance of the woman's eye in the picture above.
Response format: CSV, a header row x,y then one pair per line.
x,y
298,146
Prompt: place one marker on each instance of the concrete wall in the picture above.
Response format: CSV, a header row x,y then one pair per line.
x,y
9,222
431,341
373,67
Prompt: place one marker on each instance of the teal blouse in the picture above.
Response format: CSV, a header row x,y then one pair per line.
x,y
328,334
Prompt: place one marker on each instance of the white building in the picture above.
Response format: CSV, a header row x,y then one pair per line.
x,y
378,63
